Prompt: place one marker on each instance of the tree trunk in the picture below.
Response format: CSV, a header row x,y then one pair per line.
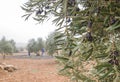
x,y
3,56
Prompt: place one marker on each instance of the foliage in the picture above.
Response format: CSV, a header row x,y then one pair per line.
x,y
40,43
12,42
52,44
91,33
7,47
35,46
31,45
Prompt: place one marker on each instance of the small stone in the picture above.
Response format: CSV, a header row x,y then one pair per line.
x,y
10,68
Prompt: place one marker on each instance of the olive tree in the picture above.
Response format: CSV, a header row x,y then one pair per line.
x,y
52,44
6,47
90,30
13,43
40,43
35,46
31,47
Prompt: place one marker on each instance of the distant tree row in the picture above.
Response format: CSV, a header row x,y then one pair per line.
x,y
7,47
49,44
35,46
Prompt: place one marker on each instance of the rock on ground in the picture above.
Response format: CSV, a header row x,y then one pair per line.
x,y
9,68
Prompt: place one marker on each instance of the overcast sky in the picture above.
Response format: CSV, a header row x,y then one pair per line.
x,y
12,26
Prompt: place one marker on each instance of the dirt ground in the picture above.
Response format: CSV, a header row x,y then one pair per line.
x,y
30,70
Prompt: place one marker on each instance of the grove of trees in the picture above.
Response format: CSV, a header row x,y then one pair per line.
x,y
7,47
35,46
89,32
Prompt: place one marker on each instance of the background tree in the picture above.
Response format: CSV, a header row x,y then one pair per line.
x,y
6,47
31,46
50,44
35,46
90,30
12,42
40,43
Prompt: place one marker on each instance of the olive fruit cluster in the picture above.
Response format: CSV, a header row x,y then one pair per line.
x,y
68,20
71,2
112,20
39,12
114,60
42,10
47,7
70,52
115,53
88,35
77,9
90,24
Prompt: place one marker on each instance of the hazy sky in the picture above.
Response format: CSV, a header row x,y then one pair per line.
x,y
12,26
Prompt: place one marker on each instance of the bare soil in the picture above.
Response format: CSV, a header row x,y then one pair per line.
x,y
32,70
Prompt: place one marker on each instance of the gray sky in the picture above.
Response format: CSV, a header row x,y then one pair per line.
x,y
12,26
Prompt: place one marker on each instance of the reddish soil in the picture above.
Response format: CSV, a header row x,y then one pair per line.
x,y
29,70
